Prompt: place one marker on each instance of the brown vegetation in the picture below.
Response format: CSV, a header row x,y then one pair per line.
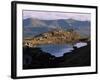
x,y
53,37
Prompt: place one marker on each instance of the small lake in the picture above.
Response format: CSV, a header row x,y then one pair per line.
x,y
59,49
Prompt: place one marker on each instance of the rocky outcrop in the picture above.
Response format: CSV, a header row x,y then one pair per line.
x,y
53,37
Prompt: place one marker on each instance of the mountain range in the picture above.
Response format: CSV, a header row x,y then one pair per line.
x,y
33,27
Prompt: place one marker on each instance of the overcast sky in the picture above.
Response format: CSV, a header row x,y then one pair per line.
x,y
44,15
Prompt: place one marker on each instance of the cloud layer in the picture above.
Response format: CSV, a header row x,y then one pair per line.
x,y
44,15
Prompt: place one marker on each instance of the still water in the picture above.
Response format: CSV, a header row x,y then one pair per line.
x,y
59,49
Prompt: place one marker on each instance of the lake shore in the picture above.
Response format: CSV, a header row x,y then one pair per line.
x,y
35,58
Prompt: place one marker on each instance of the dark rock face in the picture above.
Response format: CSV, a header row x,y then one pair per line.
x,y
79,57
35,58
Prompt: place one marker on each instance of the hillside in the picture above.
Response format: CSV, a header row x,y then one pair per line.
x,y
53,37
33,27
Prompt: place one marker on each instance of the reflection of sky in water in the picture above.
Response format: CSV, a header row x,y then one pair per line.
x,y
59,49
56,49
80,44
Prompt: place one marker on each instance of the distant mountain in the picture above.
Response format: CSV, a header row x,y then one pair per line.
x,y
33,27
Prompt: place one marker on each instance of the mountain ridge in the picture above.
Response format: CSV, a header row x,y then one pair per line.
x,y
35,26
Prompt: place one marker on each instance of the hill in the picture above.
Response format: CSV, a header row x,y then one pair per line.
x,y
33,27
56,36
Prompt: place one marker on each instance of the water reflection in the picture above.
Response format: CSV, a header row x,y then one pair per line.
x,y
59,49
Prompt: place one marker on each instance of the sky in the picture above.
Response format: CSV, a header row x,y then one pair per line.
x,y
47,15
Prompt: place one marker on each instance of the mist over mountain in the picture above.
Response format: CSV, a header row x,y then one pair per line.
x,y
33,27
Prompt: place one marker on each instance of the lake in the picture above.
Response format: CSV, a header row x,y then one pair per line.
x,y
59,49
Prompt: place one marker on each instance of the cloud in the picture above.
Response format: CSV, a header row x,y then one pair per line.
x,y
44,15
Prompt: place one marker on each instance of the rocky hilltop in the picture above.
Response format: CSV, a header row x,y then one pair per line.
x,y
56,36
